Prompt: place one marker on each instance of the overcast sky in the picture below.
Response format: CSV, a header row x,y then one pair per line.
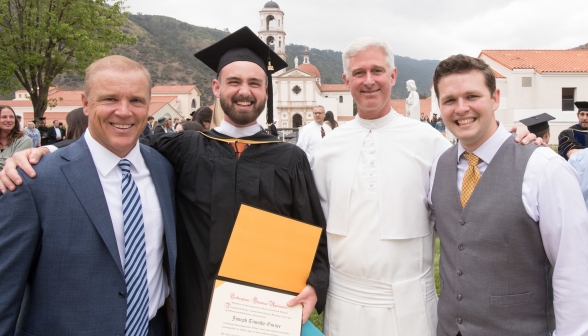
x,y
421,29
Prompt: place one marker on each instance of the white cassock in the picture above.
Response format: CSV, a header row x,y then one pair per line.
x,y
309,136
373,181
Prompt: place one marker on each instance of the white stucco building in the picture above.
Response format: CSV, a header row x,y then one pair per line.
x,y
187,97
532,82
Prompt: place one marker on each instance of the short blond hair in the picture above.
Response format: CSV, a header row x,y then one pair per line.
x,y
117,63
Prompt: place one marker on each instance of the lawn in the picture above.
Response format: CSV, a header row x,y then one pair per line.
x,y
317,319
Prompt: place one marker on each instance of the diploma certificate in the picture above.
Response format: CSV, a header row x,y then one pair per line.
x,y
241,310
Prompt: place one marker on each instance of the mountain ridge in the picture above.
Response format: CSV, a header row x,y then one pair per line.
x,y
166,47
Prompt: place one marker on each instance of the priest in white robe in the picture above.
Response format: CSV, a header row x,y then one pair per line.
x,y
312,133
373,178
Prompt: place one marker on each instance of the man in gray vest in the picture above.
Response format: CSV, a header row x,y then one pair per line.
x,y
506,214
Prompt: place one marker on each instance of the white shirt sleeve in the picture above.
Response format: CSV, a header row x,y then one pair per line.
x,y
579,161
303,140
552,196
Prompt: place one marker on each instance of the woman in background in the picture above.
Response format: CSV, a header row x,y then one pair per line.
x,y
77,122
34,134
434,120
169,126
12,139
440,126
330,120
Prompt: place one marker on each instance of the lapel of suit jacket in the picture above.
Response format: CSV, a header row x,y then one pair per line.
x,y
83,179
155,165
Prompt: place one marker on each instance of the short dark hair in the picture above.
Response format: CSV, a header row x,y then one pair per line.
x,y
192,126
203,114
458,64
150,118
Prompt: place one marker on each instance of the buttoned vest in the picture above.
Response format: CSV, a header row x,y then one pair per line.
x,y
495,275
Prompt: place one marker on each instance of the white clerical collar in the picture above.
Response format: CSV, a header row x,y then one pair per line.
x,y
489,148
237,132
105,160
376,123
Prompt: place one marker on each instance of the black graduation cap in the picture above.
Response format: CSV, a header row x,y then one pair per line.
x,y
42,118
581,105
537,123
244,45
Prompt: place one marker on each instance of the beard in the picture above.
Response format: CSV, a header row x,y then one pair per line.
x,y
241,117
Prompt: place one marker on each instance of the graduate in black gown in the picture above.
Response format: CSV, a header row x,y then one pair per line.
x,y
575,137
236,163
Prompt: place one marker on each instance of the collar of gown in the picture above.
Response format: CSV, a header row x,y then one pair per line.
x,y
237,132
371,124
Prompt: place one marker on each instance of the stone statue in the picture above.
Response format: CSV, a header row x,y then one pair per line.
x,y
296,62
413,105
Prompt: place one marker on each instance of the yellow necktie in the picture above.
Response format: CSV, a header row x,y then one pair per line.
x,y
470,178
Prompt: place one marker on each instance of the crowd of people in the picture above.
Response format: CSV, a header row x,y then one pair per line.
x,y
134,243
200,121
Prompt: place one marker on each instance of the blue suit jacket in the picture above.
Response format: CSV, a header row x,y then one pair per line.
x,y
57,242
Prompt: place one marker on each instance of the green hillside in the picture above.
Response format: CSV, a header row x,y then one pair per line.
x,y
166,47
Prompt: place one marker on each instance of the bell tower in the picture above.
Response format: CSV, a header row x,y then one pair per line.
x,y
271,29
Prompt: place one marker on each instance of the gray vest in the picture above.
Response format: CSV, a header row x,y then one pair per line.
x,y
495,276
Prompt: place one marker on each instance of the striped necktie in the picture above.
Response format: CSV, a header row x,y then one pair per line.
x,y
322,132
135,255
470,178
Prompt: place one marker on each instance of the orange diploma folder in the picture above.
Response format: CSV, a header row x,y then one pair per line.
x,y
269,250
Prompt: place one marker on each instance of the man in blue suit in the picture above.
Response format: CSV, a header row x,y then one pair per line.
x,y
92,242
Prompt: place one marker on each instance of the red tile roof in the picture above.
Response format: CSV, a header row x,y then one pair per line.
x,y
310,69
28,103
334,87
172,88
155,106
541,60
498,74
163,99
67,95
17,103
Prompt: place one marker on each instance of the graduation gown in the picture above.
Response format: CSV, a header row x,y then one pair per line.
x,y
574,137
211,184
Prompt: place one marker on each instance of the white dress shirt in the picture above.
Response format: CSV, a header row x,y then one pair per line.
x,y
309,137
551,196
110,176
57,133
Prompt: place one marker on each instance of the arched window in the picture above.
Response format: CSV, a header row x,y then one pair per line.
x,y
270,23
340,99
194,103
296,120
270,42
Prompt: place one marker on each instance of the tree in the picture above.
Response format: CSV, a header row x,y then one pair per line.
x,y
40,39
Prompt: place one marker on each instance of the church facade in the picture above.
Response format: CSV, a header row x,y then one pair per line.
x,y
298,90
